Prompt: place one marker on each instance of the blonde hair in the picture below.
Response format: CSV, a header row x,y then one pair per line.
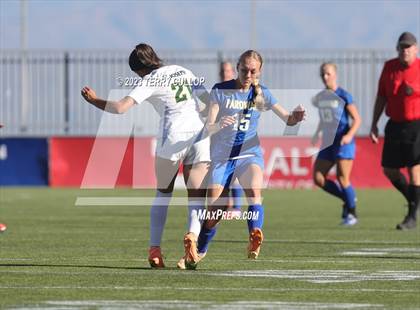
x,y
327,63
258,96
258,100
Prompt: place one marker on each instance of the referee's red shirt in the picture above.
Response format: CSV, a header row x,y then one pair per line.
x,y
400,86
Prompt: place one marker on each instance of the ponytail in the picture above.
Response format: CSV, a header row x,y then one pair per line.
x,y
258,96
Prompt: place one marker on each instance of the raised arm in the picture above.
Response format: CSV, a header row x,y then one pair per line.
x,y
379,107
115,107
291,119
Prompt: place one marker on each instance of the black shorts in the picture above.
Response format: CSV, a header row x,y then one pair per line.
x,y
402,144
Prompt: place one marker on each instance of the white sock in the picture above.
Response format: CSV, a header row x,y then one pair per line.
x,y
158,213
194,224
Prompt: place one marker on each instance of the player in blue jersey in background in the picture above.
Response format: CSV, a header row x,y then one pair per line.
x,y
235,108
336,107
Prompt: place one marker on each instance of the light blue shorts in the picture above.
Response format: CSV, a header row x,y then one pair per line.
x,y
223,172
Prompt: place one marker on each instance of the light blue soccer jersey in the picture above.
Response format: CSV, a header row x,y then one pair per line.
x,y
241,138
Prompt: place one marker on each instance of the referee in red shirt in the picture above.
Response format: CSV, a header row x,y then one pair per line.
x,y
399,94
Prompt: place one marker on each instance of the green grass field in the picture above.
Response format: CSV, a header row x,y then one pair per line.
x,y
55,255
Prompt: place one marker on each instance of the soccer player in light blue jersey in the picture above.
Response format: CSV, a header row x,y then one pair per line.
x,y
235,109
227,73
336,108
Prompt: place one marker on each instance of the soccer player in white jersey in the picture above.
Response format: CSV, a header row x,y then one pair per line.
x,y
181,137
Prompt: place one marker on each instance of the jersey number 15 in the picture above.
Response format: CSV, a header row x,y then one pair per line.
x,y
243,124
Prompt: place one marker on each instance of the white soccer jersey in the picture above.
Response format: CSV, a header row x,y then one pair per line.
x,y
170,90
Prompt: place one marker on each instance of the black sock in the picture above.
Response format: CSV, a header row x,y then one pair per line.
x,y
402,186
352,211
414,194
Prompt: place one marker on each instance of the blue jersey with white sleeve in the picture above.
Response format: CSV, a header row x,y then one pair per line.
x,y
334,118
334,122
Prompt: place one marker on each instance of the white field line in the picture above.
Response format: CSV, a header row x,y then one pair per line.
x,y
311,276
381,251
242,289
179,304
259,261
185,304
398,250
364,253
326,276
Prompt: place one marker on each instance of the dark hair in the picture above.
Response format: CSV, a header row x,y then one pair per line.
x,y
257,100
144,57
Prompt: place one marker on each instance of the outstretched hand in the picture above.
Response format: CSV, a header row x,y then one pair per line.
x,y
89,94
297,115
226,121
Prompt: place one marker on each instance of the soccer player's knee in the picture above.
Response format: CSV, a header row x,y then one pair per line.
x,y
414,174
344,181
319,179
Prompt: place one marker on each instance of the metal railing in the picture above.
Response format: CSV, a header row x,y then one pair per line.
x,y
40,89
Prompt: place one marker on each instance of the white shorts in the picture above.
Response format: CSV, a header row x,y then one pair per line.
x,y
190,148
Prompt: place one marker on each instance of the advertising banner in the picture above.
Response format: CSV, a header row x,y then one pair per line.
x,y
23,161
109,162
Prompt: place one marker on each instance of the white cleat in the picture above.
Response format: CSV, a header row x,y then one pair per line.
x,y
349,220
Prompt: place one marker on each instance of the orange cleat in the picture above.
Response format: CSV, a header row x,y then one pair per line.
x,y
256,237
190,247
